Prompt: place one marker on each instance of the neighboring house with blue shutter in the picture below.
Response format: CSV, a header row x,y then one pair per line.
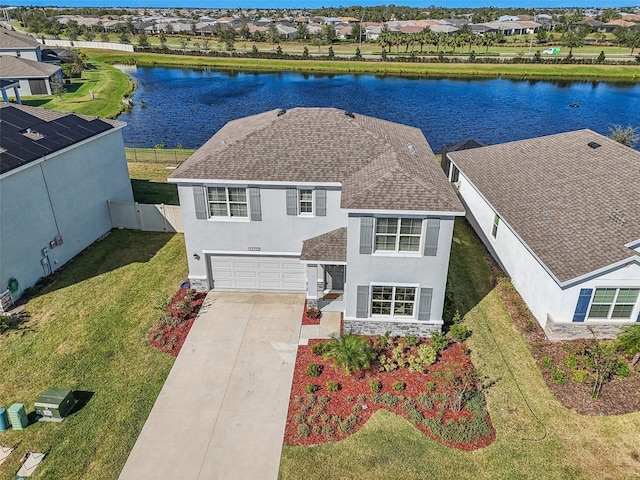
x,y
561,214
351,210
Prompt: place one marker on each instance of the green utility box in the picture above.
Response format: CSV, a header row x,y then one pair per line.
x,y
54,404
17,416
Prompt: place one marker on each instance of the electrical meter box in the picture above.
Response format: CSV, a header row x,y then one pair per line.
x,y
54,404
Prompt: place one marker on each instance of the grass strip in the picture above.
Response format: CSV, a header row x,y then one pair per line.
x,y
628,73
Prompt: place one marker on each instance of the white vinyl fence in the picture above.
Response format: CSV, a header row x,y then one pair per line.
x,y
146,217
124,47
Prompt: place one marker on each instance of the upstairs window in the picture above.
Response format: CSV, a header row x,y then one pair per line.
x,y
230,202
398,234
613,303
305,202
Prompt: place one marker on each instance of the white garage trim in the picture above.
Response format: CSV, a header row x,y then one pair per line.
x,y
256,273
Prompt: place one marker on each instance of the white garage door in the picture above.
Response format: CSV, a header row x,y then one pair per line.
x,y
258,273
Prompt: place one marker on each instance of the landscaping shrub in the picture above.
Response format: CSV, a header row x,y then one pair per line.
x,y
399,386
375,386
304,430
571,362
362,398
621,369
316,429
311,388
546,362
579,376
411,340
299,418
320,348
459,332
324,399
439,341
325,417
4,322
425,400
332,386
351,352
387,364
313,313
558,376
389,400
413,413
314,370
629,339
430,387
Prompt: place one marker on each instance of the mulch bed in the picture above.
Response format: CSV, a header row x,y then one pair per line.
x,y
618,396
308,317
170,331
355,396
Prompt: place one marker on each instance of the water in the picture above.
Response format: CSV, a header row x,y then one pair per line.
x,y
187,106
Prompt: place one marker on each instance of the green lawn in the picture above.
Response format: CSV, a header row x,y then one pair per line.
x,y
149,183
108,84
560,445
87,332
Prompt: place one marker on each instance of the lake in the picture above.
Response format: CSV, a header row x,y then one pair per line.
x,y
186,106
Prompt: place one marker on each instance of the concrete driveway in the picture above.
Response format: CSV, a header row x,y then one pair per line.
x,y
222,411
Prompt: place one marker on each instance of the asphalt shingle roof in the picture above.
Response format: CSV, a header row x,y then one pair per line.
x,y
13,67
328,247
380,164
574,206
10,39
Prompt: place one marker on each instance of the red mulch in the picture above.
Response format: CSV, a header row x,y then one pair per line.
x,y
306,319
172,339
618,396
455,357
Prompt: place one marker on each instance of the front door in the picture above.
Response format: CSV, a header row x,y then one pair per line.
x,y
334,277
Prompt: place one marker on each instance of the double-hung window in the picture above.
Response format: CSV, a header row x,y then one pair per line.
x,y
613,303
398,234
229,202
393,301
305,202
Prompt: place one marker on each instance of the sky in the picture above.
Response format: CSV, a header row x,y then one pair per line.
x,y
318,3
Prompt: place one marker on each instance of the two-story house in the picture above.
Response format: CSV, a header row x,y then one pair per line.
x,y
352,210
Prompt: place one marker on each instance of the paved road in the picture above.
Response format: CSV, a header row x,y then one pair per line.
x,y
222,411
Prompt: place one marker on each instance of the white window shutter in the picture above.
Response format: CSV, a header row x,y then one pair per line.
x,y
200,201
292,201
424,309
431,240
362,301
366,235
254,204
321,202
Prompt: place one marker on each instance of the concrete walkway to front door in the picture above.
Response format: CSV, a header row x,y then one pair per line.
x,y
222,411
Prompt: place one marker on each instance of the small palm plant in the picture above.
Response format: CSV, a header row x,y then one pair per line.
x,y
629,339
351,352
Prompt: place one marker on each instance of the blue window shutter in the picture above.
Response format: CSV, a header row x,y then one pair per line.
x,y
366,235
362,301
254,204
200,201
424,307
321,202
583,303
292,201
431,240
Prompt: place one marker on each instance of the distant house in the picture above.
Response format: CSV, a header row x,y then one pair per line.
x,y
57,173
287,31
350,210
18,45
561,214
33,78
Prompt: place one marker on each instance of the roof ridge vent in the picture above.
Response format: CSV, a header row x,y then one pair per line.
x,y
349,114
281,112
594,145
412,150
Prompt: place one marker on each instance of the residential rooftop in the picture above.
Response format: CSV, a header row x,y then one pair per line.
x,y
29,133
380,165
573,198
14,67
10,39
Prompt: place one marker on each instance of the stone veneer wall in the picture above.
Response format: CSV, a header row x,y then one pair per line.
x,y
199,284
377,327
557,331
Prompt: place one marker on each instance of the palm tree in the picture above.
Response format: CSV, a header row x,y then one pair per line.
x,y
351,352
488,40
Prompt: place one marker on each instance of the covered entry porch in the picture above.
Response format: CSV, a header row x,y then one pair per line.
x,y
325,257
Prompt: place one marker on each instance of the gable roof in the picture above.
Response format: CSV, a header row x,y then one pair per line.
x,y
574,206
328,247
29,133
13,67
380,164
10,39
